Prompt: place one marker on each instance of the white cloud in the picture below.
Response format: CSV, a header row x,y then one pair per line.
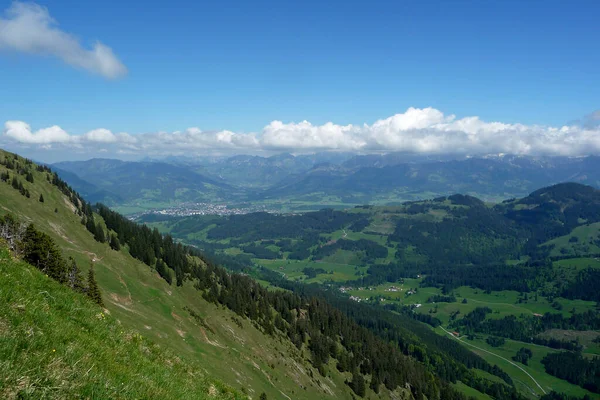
x,y
21,132
29,28
100,135
416,130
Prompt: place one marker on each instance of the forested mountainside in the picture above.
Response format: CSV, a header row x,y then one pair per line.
x,y
296,345
524,270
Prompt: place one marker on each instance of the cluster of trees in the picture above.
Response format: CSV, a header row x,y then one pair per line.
x,y
150,247
526,328
584,286
523,355
369,249
561,396
360,225
15,182
261,252
575,368
440,298
473,235
300,250
258,226
311,272
495,341
409,311
39,250
18,185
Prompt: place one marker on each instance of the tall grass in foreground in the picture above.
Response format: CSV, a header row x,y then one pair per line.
x,y
55,343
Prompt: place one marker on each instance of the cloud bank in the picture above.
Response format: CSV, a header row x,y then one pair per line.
x,y
425,131
29,28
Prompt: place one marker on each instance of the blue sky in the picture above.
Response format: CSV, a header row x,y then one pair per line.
x,y
240,65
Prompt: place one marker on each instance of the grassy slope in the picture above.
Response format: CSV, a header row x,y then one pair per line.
x,y
586,236
55,343
134,294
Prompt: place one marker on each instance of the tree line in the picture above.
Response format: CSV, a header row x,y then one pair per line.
x,y
575,368
40,250
527,328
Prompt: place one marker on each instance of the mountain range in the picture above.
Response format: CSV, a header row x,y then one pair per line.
x,y
323,179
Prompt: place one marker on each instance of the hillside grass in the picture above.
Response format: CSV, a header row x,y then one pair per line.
x,y
55,343
225,346
583,240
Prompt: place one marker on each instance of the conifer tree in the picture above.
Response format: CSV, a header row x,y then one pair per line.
x,y
93,291
358,383
74,279
40,251
179,275
114,242
163,271
90,225
41,198
99,234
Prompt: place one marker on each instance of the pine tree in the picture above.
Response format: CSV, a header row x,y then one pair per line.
x,y
263,396
41,198
40,251
99,235
29,177
74,279
114,242
358,383
179,275
163,271
93,291
90,225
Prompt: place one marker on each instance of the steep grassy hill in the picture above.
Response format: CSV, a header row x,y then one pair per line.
x,y
226,346
55,343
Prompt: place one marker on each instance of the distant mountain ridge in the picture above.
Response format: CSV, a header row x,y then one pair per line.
x,y
352,179
124,181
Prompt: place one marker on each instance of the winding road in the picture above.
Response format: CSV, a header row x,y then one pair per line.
x,y
494,354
